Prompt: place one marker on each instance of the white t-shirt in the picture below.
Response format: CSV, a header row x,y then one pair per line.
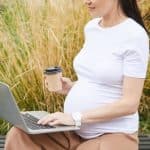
x,y
108,55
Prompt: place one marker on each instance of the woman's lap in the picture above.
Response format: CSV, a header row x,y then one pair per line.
x,y
111,141
17,139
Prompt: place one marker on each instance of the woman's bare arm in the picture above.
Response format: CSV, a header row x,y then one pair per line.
x,y
128,104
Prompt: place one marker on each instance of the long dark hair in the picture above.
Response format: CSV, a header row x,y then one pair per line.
x,y
131,9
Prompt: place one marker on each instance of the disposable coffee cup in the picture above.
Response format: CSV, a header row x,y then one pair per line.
x,y
53,81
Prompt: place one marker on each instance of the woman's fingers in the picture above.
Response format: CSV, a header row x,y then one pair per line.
x,y
45,120
64,80
57,118
55,122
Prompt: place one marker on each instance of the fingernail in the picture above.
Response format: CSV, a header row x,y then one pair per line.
x,y
50,124
38,122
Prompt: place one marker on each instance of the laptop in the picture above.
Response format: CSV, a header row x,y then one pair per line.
x,y
27,121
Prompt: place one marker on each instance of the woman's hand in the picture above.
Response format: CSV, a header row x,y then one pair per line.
x,y
57,118
66,85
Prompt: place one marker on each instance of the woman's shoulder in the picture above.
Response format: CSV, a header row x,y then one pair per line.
x,y
135,30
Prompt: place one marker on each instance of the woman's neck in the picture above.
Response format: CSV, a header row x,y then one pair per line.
x,y
115,17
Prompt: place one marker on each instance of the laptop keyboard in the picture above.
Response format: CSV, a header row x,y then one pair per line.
x,y
31,122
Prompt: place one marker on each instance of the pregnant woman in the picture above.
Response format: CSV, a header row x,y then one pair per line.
x,y
111,69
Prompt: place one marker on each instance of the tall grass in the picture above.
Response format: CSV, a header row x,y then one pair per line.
x,y
145,100
34,36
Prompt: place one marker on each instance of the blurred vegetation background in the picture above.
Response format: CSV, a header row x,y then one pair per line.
x,y
35,34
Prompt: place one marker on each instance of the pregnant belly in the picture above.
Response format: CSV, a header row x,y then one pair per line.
x,y
87,95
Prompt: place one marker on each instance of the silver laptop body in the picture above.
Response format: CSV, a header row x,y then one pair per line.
x,y
10,112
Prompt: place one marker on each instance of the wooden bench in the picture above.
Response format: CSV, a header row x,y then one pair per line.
x,y
2,141
144,142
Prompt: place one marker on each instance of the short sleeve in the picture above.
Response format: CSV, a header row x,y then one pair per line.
x,y
136,58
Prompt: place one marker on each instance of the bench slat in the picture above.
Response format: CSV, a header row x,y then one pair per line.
x,y
143,145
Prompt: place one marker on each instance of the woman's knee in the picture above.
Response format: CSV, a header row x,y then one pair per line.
x,y
13,134
17,139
